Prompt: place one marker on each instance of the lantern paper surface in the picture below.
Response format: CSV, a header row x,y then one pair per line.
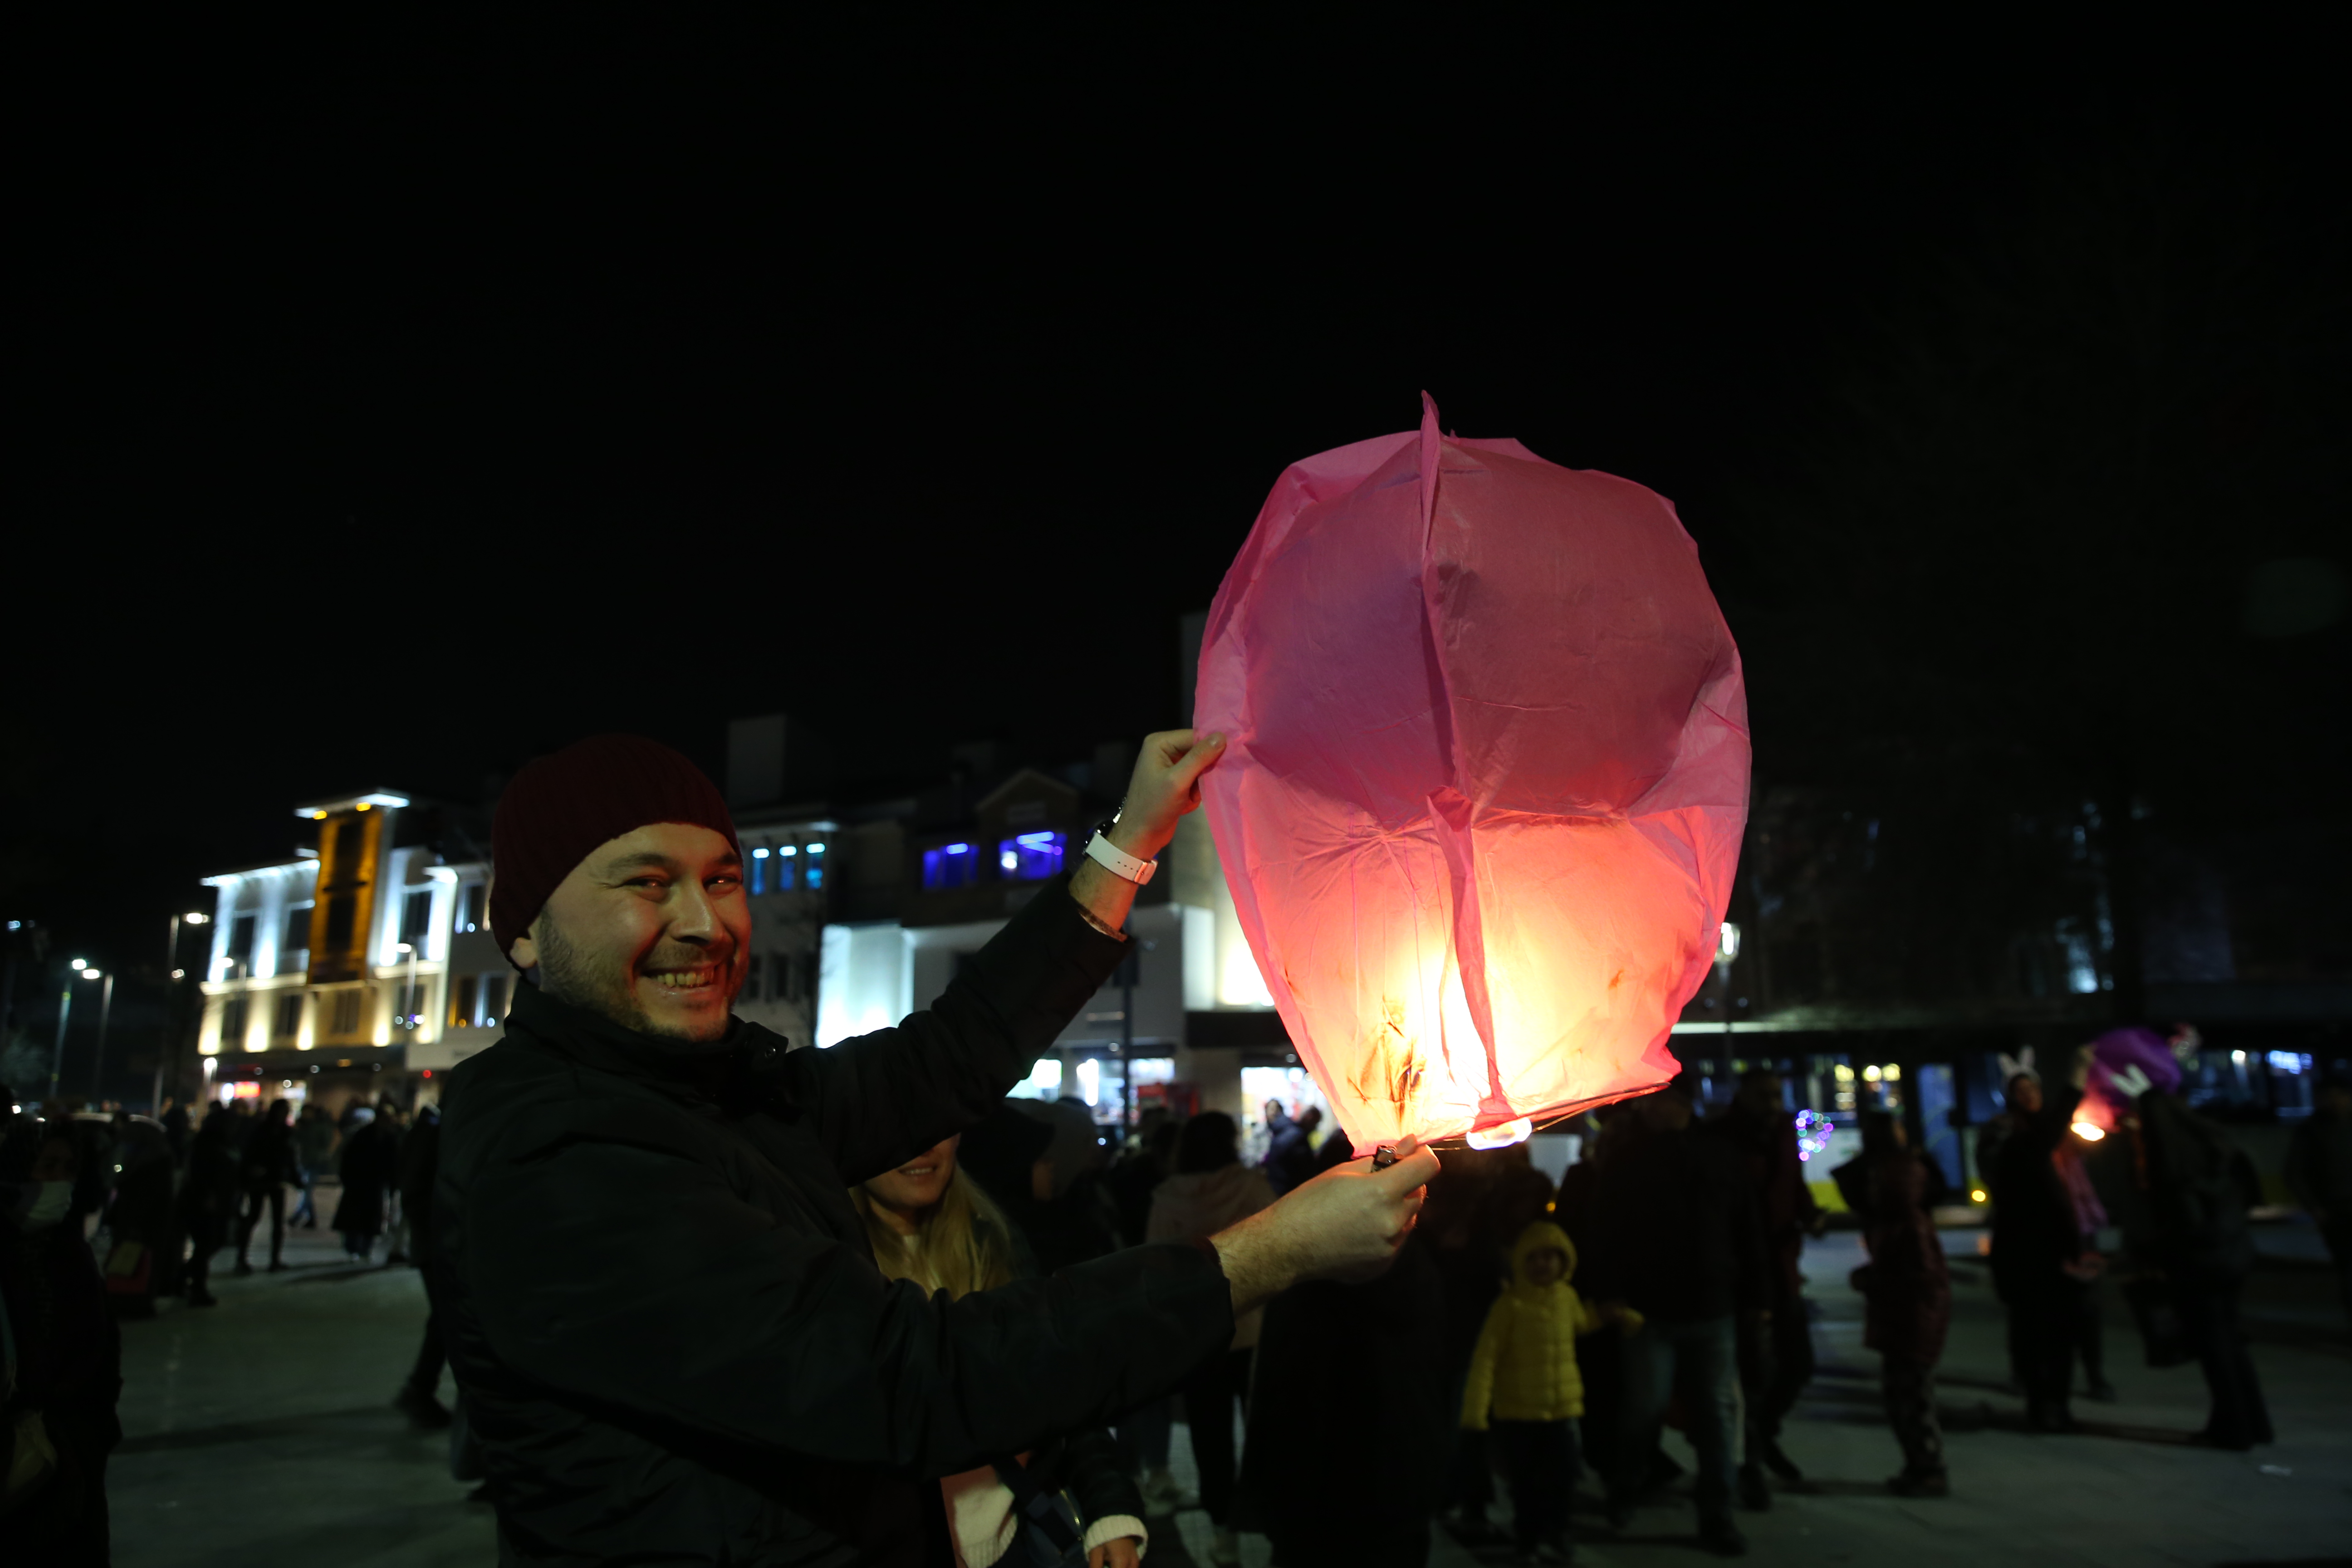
x,y
1487,772
2124,1064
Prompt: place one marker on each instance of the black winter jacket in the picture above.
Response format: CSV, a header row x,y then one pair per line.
x,y
661,1306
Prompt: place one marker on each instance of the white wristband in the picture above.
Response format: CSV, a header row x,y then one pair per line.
x,y
1118,862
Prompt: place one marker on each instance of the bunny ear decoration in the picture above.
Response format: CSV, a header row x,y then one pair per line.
x,y
2014,1067
2129,1082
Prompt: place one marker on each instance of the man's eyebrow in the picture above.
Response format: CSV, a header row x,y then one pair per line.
x,y
649,859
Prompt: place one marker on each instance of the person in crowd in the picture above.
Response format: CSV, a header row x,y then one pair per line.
x,y
2020,1099
1348,1415
1906,1289
1682,1243
2319,1173
1290,1146
265,1170
1774,1364
420,1151
2040,1264
748,1386
314,1156
1600,1355
209,1200
66,1349
1071,1219
140,1220
1213,1190
1524,1381
929,1224
2090,1218
2193,1233
176,1129
369,1168
1476,1208
1140,1168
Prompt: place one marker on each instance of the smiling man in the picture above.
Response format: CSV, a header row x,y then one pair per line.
x,y
659,1301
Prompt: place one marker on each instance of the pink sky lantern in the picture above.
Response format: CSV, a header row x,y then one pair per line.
x,y
1487,776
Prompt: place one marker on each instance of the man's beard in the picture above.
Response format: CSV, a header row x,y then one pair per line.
x,y
590,980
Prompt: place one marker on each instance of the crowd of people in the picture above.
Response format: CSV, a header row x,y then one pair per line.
x,y
103,1214
1527,1330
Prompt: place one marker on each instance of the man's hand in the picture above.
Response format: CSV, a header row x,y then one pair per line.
x,y
1346,1224
1165,786
1118,1552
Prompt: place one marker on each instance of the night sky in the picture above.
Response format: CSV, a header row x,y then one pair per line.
x,y
397,404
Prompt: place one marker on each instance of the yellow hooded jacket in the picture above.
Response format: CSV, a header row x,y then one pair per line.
x,y
1525,1366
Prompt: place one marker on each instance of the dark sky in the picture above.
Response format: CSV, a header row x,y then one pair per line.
x,y
396,403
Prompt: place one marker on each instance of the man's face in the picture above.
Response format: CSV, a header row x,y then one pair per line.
x,y
651,930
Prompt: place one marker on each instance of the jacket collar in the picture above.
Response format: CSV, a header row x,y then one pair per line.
x,y
595,1041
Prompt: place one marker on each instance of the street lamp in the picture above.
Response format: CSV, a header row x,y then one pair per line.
x,y
81,971
172,972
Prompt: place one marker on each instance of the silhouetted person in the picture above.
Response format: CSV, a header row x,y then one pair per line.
x,y
2319,1173
68,1351
2039,1262
314,1156
208,1194
1346,1419
1907,1289
420,1150
265,1169
2194,1233
1683,1245
1290,1146
1776,1363
370,1167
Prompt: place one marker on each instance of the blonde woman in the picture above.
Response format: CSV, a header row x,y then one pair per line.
x,y
933,1227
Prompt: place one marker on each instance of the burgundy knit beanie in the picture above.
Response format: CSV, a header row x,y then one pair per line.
x,y
560,806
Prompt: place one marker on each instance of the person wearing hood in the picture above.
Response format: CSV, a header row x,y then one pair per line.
x,y
1212,1189
1524,1382
68,1353
1906,1288
660,1303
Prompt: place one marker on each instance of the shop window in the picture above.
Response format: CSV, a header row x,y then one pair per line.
x,y
1033,857
951,866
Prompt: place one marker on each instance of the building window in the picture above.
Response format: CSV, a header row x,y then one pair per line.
x,y
1033,857
240,947
233,1024
342,917
346,1017
787,855
410,1013
755,879
473,907
289,1015
951,866
464,997
417,918
812,868
294,947
494,999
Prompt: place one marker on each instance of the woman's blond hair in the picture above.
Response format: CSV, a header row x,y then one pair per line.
x,y
966,1245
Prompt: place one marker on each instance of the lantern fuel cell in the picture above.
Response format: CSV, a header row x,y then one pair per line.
x,y
1485,780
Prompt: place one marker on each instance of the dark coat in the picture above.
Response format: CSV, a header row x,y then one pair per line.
x,y
1766,1147
420,1153
268,1159
2198,1188
664,1312
368,1165
1677,1235
1907,1285
2035,1232
208,1195
1348,1416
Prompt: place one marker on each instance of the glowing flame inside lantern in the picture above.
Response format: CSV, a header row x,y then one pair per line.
x,y
2089,1131
1486,780
1502,1137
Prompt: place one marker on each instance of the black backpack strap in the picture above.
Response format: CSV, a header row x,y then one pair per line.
x,y
1035,1503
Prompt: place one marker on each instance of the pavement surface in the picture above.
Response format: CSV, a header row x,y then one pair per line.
x,y
259,1433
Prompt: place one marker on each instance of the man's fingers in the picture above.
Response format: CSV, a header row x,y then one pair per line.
x,y
1414,1167
1197,759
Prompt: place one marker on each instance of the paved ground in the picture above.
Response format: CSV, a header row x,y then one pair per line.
x,y
258,1434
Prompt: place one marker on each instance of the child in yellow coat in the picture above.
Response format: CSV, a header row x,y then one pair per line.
x,y
1523,1379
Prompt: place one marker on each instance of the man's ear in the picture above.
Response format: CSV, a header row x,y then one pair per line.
x,y
525,950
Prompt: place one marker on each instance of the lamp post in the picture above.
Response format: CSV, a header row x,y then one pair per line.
x,y
98,1063
65,1013
169,1044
